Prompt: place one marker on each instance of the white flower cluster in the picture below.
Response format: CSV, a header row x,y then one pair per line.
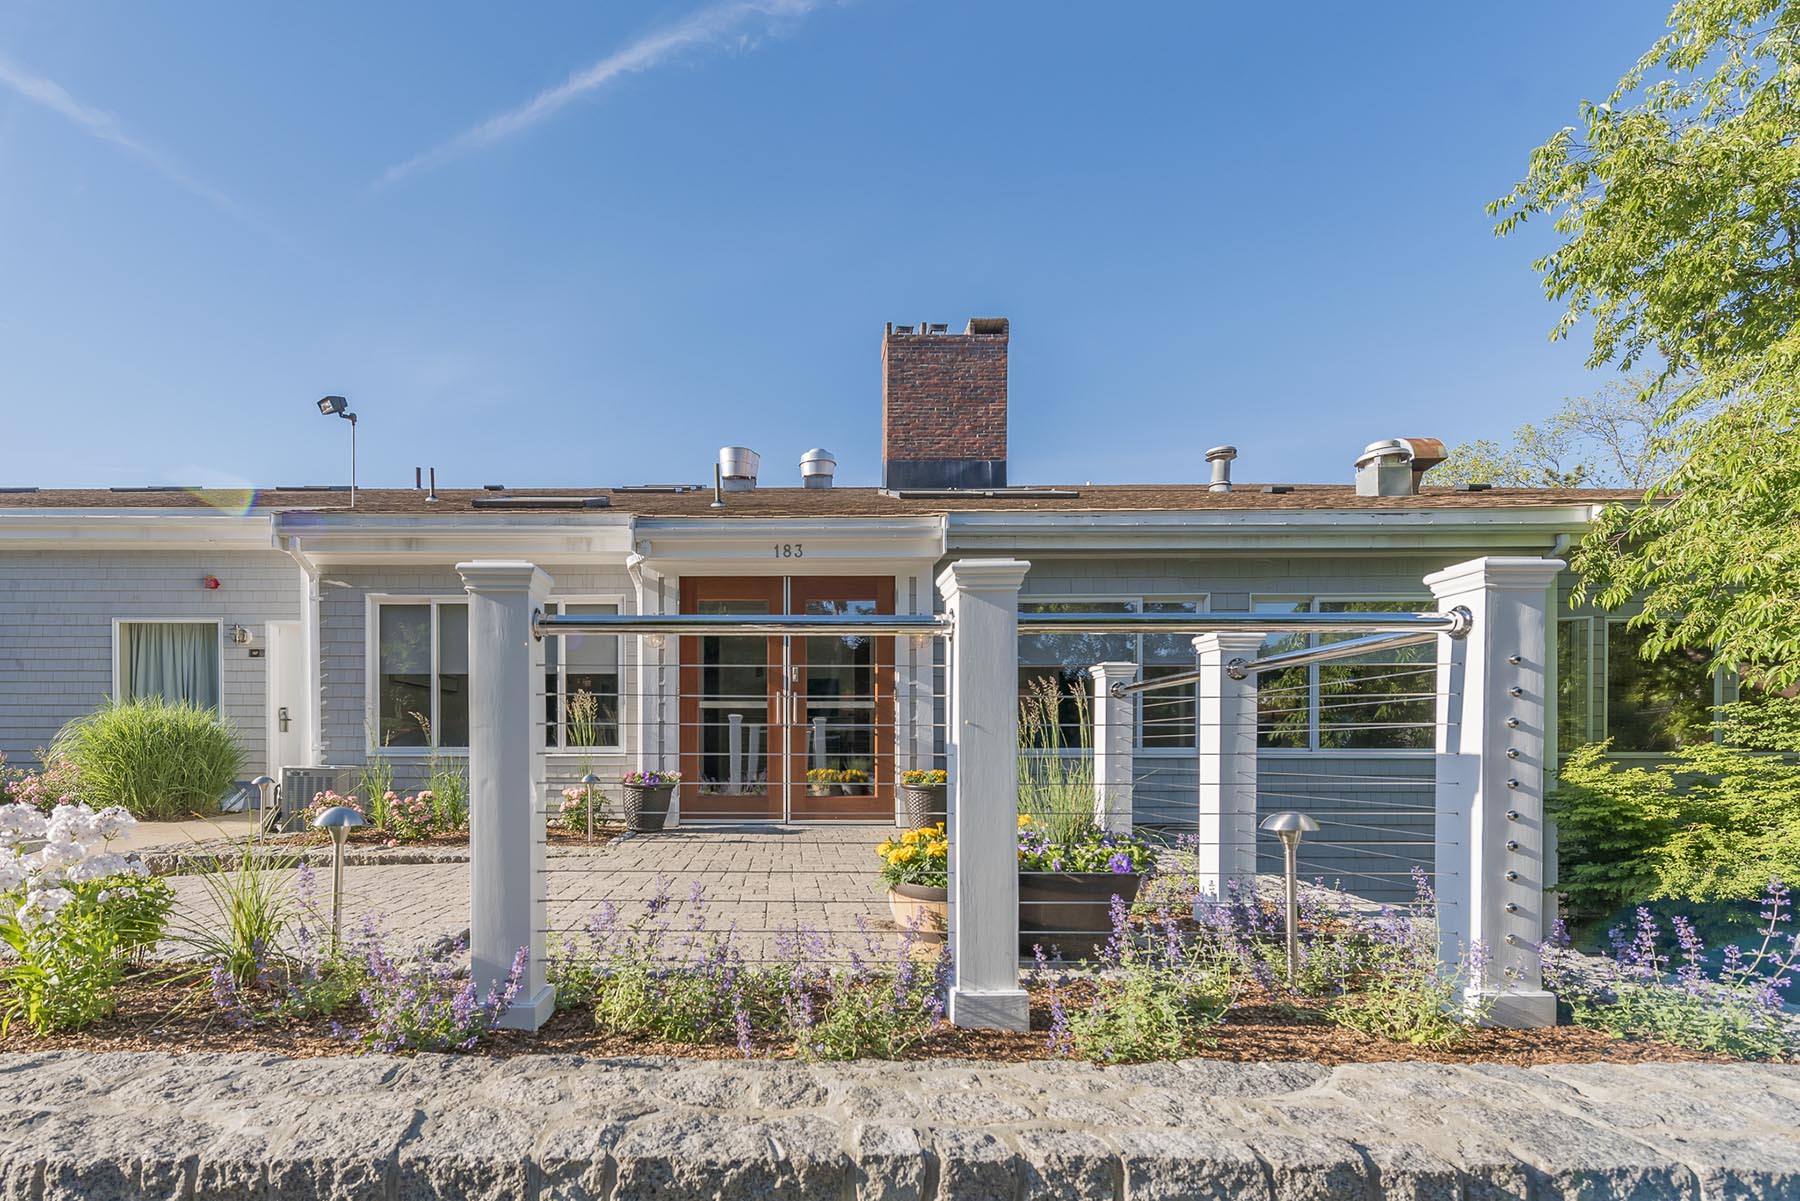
x,y
74,851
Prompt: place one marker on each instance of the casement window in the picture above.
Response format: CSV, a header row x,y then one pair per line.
x,y
421,657
1605,688
1165,718
1574,682
1384,700
582,682
177,661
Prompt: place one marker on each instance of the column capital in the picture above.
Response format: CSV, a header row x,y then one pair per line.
x,y
982,575
1107,674
503,575
1495,571
1230,643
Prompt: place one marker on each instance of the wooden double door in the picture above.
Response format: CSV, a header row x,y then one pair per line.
x,y
787,728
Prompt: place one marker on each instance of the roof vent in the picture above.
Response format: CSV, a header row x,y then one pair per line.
x,y
1394,466
817,466
1220,457
738,466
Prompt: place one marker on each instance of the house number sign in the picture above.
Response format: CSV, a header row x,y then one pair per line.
x,y
790,550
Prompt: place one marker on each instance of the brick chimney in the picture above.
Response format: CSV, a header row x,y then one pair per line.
x,y
943,405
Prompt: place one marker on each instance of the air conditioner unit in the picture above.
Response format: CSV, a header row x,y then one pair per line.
x,y
299,785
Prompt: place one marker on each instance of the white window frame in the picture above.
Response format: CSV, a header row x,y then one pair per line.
x,y
372,603
617,600
1312,746
118,646
1202,602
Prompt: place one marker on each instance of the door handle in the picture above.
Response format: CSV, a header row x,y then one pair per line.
x,y
282,719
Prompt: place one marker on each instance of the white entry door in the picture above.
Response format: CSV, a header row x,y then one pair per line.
x,y
287,706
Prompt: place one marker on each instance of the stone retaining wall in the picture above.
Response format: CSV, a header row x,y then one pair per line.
x,y
223,1127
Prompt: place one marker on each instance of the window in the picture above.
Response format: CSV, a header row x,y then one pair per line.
x,y
177,661
422,674
1383,700
1165,718
1656,704
581,682
1574,682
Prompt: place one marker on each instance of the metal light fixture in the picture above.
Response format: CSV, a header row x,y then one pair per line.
x,y
339,820
266,788
337,406
1290,826
588,782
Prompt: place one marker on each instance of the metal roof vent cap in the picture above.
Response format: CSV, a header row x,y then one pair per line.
x,y
817,466
738,466
1395,466
1220,457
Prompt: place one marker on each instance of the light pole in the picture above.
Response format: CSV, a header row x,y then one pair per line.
x,y
1291,826
587,783
337,406
266,787
339,820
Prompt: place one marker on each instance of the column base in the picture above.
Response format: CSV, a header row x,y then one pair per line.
x,y
999,1009
1519,1009
529,1013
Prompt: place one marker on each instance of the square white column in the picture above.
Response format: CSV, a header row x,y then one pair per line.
x,y
507,900
1493,743
1225,749
982,599
1114,736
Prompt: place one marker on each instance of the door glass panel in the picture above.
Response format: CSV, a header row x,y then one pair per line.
x,y
734,706
839,691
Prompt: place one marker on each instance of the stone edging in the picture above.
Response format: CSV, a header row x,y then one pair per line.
x,y
567,1128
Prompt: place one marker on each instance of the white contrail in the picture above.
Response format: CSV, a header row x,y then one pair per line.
x,y
705,27
103,125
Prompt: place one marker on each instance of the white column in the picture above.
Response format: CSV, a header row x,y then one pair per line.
x,y
1112,746
506,782
982,598
1492,740
1225,749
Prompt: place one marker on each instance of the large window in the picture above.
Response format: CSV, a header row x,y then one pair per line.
x,y
422,673
581,682
1574,682
1656,704
1165,717
1385,700
177,661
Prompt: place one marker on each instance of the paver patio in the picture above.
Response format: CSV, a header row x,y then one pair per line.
x,y
762,880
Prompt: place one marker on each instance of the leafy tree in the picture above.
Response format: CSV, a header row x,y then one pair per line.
x,y
1678,205
1713,822
1606,440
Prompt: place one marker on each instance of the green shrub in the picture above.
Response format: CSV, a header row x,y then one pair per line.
x,y
1715,821
160,761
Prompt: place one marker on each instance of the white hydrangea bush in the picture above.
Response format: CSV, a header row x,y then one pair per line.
x,y
72,911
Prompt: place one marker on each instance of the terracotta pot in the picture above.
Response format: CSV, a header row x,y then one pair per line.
x,y
925,804
922,908
647,807
1071,912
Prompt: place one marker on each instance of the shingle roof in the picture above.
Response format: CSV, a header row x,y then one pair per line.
x,y
802,502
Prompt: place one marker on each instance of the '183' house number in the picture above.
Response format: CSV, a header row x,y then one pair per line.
x,y
790,550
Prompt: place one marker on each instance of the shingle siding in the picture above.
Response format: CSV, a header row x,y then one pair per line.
x,y
57,610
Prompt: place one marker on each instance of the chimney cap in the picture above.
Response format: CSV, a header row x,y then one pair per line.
x,y
1221,452
988,325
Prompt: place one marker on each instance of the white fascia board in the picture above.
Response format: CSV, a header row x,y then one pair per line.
x,y
1277,530
123,529
402,538
787,545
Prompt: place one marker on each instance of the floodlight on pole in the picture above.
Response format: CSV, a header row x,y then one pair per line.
x,y
337,406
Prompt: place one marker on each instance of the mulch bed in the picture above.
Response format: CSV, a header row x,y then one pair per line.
x,y
170,1009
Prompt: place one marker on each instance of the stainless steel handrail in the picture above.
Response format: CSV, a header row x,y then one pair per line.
x,y
1454,623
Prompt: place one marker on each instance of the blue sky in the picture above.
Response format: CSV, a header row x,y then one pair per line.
x,y
568,243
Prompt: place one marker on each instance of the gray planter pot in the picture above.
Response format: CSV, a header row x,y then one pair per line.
x,y
647,807
924,804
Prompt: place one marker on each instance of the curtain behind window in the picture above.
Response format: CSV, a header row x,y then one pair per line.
x,y
174,661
